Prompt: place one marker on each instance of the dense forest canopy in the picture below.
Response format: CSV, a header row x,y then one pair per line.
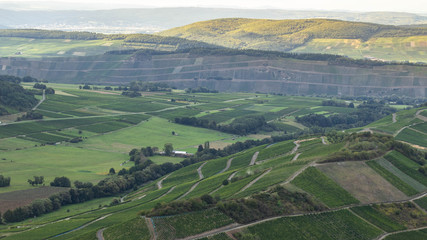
x,y
14,96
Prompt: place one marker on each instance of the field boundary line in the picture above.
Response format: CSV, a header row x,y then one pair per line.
x,y
255,180
253,159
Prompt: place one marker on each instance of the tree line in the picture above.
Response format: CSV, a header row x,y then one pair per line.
x,y
14,96
4,181
365,113
240,126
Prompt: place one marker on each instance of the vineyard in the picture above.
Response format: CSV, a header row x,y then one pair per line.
x,y
323,188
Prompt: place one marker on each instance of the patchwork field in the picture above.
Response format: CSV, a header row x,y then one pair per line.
x,y
370,186
323,188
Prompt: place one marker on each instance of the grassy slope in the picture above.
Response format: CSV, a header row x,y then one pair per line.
x,y
327,36
56,161
333,225
323,188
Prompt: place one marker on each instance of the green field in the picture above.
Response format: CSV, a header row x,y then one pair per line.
x,y
111,125
56,161
407,166
155,132
412,235
133,229
412,136
377,218
333,225
172,227
422,202
392,49
392,178
323,188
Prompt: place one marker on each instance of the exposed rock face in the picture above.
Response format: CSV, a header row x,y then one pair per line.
x,y
228,73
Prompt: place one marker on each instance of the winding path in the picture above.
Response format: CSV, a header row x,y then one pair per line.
x,y
229,228
159,183
393,118
298,173
407,230
100,234
150,226
41,101
166,193
189,191
227,166
296,157
255,180
199,171
229,179
253,160
323,140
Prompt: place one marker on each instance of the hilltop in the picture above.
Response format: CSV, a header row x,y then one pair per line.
x,y
336,37
150,20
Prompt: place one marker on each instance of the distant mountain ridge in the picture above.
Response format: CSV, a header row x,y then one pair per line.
x,y
149,20
288,35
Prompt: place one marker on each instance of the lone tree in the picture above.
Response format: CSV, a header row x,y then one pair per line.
x,y
37,180
168,149
61,182
112,171
200,148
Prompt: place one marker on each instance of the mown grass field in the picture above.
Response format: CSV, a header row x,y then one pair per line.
x,y
57,161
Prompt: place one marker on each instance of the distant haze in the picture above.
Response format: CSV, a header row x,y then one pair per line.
x,y
415,6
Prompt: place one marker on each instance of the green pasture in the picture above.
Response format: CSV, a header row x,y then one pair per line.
x,y
154,132
29,47
56,161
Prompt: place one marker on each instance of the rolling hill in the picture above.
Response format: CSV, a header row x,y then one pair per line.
x,y
355,39
150,20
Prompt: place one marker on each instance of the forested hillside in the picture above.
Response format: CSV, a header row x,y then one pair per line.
x,y
13,96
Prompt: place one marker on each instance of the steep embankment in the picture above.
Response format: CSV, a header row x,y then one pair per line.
x,y
229,70
354,39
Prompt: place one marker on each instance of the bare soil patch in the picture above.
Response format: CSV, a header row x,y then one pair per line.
x,y
362,182
12,200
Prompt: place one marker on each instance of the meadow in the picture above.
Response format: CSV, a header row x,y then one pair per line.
x,y
57,161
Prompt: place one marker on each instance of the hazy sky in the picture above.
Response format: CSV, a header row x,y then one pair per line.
x,y
419,6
